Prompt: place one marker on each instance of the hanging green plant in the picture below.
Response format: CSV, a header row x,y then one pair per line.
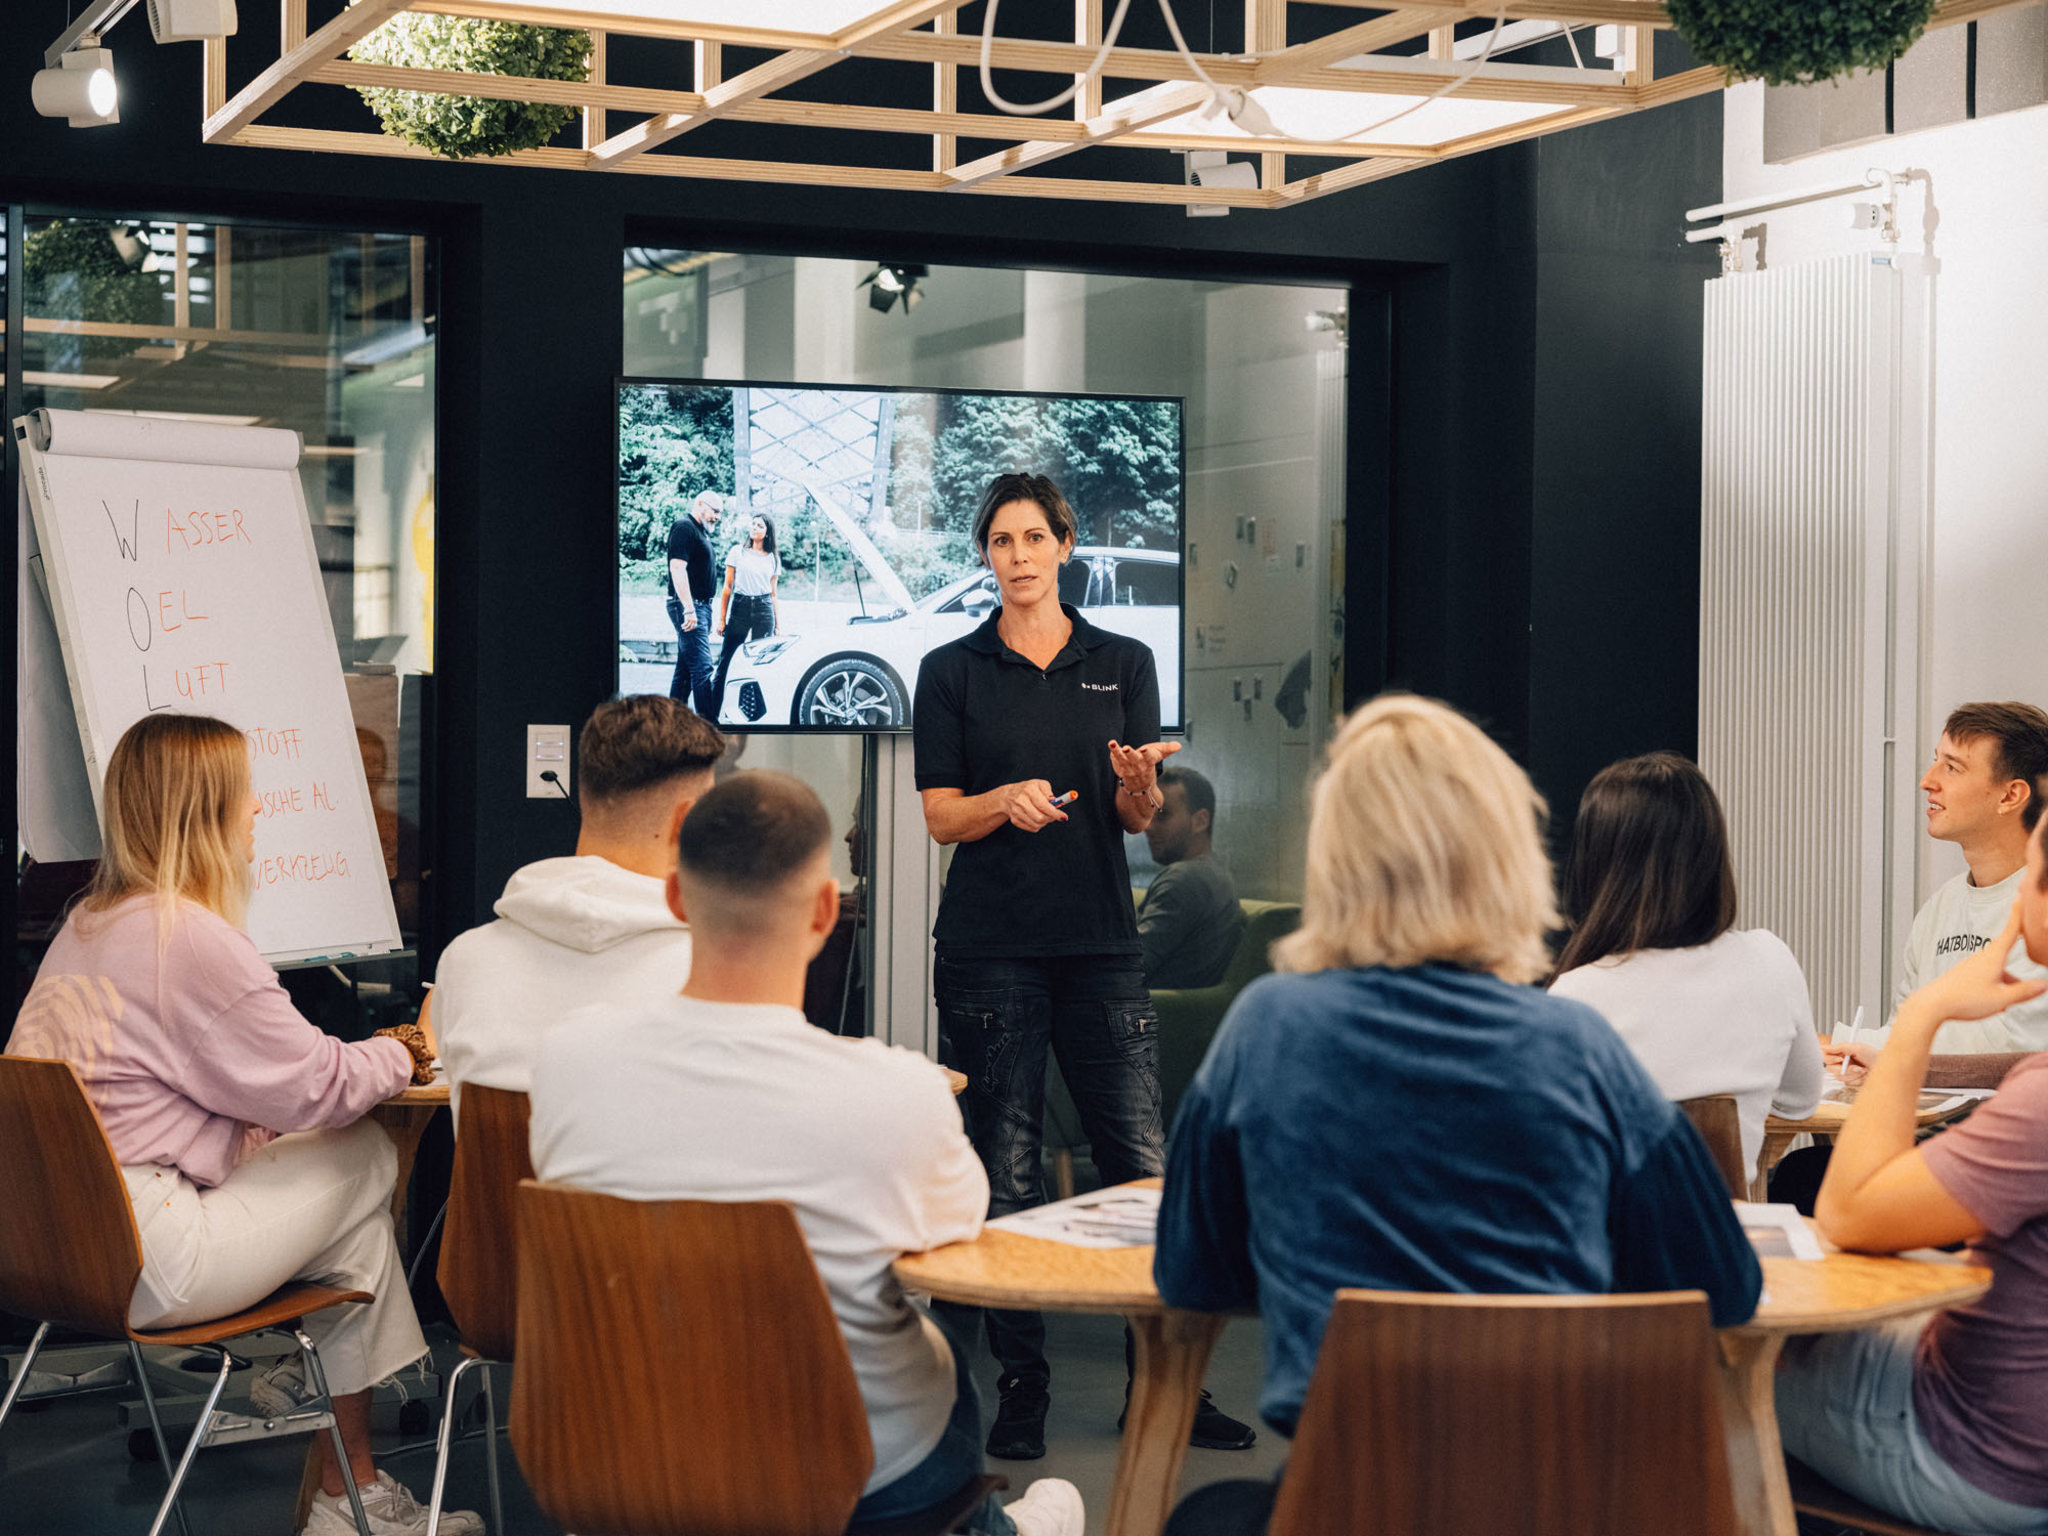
x,y
72,269
1783,43
465,127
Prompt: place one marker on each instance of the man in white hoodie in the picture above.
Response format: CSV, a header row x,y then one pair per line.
x,y
595,928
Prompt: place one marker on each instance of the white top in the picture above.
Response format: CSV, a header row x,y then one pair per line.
x,y
1958,920
754,570
1732,1016
686,1100
569,932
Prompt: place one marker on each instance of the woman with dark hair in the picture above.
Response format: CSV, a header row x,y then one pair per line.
x,y
1650,894
746,603
1038,751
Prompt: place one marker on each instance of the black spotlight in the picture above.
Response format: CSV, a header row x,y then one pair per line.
x,y
892,281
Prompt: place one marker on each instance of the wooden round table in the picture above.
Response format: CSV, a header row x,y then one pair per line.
x,y
1825,1123
1005,1269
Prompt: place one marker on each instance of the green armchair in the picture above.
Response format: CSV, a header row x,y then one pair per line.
x,y
1188,1018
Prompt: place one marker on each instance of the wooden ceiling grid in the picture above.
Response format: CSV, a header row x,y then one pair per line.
x,y
927,32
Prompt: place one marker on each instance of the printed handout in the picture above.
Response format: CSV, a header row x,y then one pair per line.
x,y
1107,1218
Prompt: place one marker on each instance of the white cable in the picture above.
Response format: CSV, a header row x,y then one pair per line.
x,y
1449,86
1019,109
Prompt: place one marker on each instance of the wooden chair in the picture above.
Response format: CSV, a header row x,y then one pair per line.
x,y
72,1256
478,1273
1814,1495
717,1306
1720,1126
1438,1415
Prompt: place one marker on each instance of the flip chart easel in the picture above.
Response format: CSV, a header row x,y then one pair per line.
x,y
175,563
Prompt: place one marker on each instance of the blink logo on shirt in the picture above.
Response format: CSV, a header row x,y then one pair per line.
x,y
1100,687
1960,944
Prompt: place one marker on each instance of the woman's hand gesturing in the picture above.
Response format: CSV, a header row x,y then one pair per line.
x,y
1138,767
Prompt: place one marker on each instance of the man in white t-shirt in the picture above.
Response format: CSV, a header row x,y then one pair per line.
x,y
595,927
725,1092
1980,796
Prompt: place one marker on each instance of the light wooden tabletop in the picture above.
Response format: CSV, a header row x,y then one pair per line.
x,y
1828,1118
424,1095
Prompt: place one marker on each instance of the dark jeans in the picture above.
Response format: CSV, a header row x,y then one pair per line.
x,y
692,683
746,618
996,1018
955,1459
1239,1507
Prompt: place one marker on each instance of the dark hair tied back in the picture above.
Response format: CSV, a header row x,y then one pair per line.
x,y
1650,867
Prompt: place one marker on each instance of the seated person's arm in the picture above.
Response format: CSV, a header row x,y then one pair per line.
x,y
1203,1261
1880,1195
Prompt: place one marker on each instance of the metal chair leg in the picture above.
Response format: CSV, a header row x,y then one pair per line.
x,y
447,1439
21,1376
316,1376
220,1385
491,1449
156,1424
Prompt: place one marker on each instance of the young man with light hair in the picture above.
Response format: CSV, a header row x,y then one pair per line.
x,y
593,927
726,1093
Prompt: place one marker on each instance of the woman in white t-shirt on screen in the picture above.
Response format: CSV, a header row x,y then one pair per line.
x,y
746,603
1650,893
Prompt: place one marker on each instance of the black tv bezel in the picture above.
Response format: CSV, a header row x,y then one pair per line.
x,y
622,382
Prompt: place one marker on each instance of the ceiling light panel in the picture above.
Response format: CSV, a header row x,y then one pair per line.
x,y
1325,117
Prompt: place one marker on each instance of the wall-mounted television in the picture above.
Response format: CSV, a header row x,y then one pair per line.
x,y
871,494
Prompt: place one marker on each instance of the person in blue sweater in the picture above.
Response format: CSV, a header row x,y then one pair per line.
x,y
1399,1109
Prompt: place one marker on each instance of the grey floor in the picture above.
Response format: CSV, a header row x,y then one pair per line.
x,y
65,1468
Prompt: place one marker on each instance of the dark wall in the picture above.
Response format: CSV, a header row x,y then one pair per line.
x,y
1504,306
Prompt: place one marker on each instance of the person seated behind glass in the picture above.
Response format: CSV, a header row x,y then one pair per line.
x,y
1189,922
1707,1007
726,1092
570,931
1943,1421
1398,1110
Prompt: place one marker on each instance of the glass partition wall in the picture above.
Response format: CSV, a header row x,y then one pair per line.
x,y
328,333
1261,367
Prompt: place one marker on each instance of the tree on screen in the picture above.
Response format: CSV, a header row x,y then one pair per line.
x,y
674,441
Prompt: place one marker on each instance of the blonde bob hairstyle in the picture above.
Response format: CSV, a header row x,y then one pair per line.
x,y
176,789
1423,844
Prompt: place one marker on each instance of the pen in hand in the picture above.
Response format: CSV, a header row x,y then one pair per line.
x,y
1067,799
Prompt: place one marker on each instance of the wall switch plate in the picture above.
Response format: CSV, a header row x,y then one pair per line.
x,y
547,751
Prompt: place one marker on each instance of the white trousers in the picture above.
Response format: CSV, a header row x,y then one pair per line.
x,y
312,1206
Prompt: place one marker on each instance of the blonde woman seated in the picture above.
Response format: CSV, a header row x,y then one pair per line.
x,y
237,1124
1707,1007
1399,1110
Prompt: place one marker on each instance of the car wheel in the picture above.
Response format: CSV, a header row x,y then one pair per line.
x,y
850,694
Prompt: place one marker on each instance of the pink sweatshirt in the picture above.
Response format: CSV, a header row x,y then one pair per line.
x,y
190,1055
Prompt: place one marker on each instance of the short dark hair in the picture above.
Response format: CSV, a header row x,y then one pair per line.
x,y
752,832
2021,732
1650,867
1196,786
1004,489
637,742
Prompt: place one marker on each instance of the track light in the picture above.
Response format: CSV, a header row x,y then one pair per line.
x,y
1214,168
892,281
80,89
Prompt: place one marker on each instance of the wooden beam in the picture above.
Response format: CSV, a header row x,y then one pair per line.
x,y
1139,110
1088,33
1265,33
1309,188
1349,42
593,112
598,19
945,98
291,24
457,82
213,76
1703,81
274,83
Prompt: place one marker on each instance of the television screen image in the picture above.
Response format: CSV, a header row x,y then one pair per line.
x,y
869,498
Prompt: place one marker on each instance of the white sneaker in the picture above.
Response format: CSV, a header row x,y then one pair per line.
x,y
1051,1506
282,1391
392,1511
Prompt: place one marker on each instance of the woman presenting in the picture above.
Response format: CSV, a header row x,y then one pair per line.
x,y
1037,750
746,603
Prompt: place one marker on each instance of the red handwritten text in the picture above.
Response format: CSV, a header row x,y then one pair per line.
x,y
200,529
270,741
294,868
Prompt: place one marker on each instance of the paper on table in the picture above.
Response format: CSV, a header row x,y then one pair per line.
x,y
1777,1231
1106,1218
1931,1100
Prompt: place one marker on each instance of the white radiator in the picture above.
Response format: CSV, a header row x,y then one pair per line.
x,y
1812,521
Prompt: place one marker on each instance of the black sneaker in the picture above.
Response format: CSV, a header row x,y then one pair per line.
x,y
1214,1430
1018,1433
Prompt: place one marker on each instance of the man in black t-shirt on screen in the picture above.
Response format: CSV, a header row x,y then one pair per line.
x,y
692,579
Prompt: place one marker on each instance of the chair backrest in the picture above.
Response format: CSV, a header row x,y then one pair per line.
x,y
680,1371
1538,1415
478,1270
1720,1126
1265,923
69,1252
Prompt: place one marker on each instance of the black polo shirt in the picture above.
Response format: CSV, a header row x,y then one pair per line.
x,y
985,716
688,542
